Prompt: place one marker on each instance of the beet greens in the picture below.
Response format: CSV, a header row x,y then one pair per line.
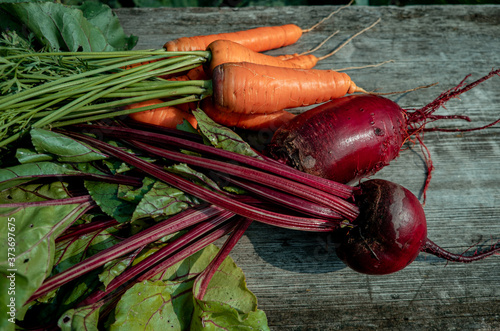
x,y
380,227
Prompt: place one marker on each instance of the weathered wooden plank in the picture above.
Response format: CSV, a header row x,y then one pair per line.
x,y
299,282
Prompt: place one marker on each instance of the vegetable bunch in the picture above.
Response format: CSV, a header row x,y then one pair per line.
x,y
130,204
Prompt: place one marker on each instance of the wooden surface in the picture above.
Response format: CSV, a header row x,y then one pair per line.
x,y
299,282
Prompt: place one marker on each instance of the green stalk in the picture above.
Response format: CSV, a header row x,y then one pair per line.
x,y
107,55
66,92
124,112
106,81
54,85
191,87
96,94
71,96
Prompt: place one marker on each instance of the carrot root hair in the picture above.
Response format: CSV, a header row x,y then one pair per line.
x,y
327,17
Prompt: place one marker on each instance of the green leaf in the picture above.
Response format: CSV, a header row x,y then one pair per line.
x,y
34,192
194,264
108,24
129,193
27,155
228,304
222,137
161,201
72,251
187,127
228,285
166,302
34,230
66,28
155,305
81,318
210,315
176,311
196,176
106,197
65,298
63,148
20,174
115,267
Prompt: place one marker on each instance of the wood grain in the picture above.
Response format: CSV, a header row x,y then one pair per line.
x,y
299,282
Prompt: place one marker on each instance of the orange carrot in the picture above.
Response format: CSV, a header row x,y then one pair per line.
x,y
270,121
285,57
258,39
168,117
306,61
309,61
252,88
224,51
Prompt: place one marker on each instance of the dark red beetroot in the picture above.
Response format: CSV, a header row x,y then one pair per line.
x,y
353,137
344,139
390,232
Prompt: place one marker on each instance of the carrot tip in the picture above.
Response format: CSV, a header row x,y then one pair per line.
x,y
360,90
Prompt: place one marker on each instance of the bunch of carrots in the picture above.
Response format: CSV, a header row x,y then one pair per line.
x,y
251,90
226,75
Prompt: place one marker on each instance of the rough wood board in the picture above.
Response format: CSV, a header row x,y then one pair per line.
x,y
300,283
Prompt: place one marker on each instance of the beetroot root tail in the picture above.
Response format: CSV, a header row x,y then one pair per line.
x,y
420,117
431,248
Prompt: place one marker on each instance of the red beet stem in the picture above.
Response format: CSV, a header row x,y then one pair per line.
x,y
288,200
82,229
160,255
262,215
341,190
340,205
170,225
431,248
205,277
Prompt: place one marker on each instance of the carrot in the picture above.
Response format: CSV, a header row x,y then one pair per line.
x,y
254,122
309,61
306,61
224,51
168,117
285,57
251,88
259,39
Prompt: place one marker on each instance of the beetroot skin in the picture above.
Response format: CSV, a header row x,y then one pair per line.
x,y
343,140
389,233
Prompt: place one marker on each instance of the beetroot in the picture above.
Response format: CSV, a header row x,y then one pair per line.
x,y
353,137
389,232
344,139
